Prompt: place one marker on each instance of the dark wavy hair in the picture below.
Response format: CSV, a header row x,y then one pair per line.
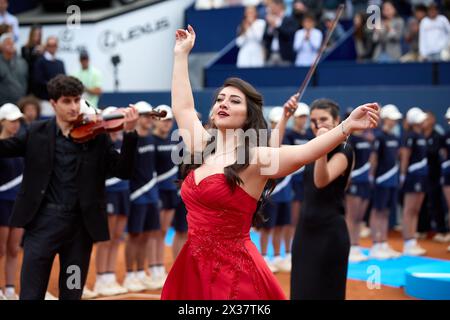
x,y
255,120
63,85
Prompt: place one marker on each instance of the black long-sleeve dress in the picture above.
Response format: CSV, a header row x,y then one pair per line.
x,y
321,243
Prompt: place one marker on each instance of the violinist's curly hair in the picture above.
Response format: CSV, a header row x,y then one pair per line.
x,y
63,85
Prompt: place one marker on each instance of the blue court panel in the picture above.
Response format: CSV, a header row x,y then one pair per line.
x,y
429,281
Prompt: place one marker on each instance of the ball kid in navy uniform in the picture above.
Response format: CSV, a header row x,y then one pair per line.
x,y
277,210
118,208
143,221
414,171
298,135
386,172
167,175
10,178
359,191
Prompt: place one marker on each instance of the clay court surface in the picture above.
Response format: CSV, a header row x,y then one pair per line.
x,y
356,290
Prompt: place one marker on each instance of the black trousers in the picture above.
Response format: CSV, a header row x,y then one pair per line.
x,y
433,209
55,232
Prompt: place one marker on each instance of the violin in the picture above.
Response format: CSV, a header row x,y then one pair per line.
x,y
87,127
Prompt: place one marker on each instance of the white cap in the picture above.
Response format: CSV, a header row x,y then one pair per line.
x,y
86,108
167,109
302,110
447,115
415,116
276,114
391,112
10,112
143,106
109,110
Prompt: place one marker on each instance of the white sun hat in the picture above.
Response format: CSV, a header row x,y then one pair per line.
x,y
143,106
10,112
167,109
302,110
390,111
276,114
415,116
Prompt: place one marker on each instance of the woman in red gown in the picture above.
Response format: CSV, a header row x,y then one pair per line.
x,y
225,182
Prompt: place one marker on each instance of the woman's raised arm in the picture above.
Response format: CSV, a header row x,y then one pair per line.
x,y
190,127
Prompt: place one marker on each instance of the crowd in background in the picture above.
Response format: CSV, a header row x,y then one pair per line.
x,y
25,72
406,31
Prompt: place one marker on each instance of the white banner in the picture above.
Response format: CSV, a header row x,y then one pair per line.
x,y
142,39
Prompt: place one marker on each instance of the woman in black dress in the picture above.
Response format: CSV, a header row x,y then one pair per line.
x,y
321,243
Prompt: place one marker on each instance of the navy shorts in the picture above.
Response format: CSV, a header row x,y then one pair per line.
x,y
6,207
118,203
276,214
299,190
445,180
415,184
384,197
360,190
180,222
143,217
169,199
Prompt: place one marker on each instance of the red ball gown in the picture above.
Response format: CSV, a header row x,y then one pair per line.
x,y
219,261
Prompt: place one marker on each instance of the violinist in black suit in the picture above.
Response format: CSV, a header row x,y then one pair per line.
x,y
61,203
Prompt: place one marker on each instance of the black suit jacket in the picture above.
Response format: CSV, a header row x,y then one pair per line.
x,y
98,159
286,32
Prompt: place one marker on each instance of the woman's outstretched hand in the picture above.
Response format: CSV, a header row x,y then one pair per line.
x,y
364,117
184,40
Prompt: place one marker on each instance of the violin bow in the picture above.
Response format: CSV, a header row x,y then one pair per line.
x,y
313,67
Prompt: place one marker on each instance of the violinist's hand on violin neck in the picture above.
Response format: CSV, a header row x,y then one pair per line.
x,y
131,117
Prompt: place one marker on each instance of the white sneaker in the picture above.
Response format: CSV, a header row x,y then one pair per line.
x,y
377,252
391,252
356,255
441,237
88,294
413,249
282,264
13,296
104,289
118,289
49,296
2,296
273,268
133,285
152,283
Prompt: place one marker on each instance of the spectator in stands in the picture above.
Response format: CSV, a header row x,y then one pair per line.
x,y
338,33
298,11
30,108
412,34
91,79
330,6
46,68
279,34
388,39
362,36
13,71
5,28
32,50
434,35
307,42
250,40
9,19
313,7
